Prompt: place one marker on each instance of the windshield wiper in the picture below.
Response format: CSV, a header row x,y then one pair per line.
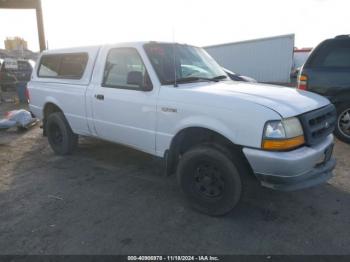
x,y
219,77
197,78
194,79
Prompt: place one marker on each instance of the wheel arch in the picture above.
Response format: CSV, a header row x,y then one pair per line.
x,y
190,136
49,108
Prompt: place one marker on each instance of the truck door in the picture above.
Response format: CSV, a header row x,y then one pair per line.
x,y
123,111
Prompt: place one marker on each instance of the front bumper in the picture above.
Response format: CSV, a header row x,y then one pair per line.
x,y
301,168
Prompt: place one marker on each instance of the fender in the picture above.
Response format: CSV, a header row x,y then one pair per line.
x,y
164,140
44,108
54,101
209,123
187,135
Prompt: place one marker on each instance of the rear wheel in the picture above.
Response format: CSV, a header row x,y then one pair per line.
x,y
210,180
342,130
61,137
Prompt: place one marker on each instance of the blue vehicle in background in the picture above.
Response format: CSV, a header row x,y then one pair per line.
x,y
327,73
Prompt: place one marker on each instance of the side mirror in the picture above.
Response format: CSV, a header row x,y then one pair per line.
x,y
136,78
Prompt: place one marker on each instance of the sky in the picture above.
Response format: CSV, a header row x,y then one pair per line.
x,y
198,22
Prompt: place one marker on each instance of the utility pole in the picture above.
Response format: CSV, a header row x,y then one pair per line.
x,y
40,25
29,4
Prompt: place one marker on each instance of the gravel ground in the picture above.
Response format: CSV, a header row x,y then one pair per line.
x,y
108,199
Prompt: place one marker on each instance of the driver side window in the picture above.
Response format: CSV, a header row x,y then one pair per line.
x,y
124,69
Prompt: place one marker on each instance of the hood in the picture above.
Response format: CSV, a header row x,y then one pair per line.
x,y
285,101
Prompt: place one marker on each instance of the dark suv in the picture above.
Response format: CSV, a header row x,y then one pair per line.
x,y
327,72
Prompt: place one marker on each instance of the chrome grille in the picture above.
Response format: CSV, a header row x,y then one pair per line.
x,y
318,124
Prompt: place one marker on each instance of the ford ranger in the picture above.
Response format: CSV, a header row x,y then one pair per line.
x,y
174,101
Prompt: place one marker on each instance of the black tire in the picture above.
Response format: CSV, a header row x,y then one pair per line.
x,y
210,180
61,137
343,115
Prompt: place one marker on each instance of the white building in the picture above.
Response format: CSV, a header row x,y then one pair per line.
x,y
266,59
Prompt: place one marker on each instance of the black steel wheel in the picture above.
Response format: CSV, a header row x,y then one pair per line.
x,y
61,137
210,180
56,134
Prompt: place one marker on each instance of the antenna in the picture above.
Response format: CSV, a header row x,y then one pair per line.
x,y
175,76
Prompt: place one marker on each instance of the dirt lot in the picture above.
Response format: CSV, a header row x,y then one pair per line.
x,y
108,199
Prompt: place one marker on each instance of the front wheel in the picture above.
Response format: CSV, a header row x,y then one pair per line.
x,y
209,180
342,130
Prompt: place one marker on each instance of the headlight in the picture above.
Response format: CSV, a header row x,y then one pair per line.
x,y
283,134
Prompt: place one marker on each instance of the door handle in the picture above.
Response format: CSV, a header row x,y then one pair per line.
x,y
99,96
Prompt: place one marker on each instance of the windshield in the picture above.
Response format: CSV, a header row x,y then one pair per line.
x,y
185,62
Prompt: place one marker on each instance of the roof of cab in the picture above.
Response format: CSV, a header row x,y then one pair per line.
x,y
96,47
71,49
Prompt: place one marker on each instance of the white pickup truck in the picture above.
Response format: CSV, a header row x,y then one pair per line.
x,y
174,101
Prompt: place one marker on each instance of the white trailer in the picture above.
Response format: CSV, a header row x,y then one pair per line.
x,y
300,56
266,59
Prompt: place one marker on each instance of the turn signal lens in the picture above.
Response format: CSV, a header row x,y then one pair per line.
x,y
303,78
283,144
302,83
